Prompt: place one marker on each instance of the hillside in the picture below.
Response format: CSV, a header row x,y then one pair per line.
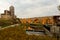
x,y
17,33
4,22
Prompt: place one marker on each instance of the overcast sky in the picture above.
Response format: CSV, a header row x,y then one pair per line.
x,y
31,8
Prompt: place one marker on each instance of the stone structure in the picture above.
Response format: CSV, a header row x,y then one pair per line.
x,y
8,14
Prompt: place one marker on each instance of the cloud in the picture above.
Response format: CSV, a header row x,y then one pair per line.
x,y
31,8
3,5
34,8
40,11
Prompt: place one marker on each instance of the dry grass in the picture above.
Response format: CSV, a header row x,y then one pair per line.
x,y
17,33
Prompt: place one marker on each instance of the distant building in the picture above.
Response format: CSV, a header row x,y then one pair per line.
x,y
8,14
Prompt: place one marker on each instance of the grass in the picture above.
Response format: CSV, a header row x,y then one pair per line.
x,y
18,33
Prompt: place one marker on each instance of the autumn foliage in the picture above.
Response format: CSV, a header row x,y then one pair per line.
x,y
42,20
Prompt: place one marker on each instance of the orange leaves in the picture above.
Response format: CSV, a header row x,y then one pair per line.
x,y
42,20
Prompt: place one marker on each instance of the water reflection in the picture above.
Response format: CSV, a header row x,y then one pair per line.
x,y
33,32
